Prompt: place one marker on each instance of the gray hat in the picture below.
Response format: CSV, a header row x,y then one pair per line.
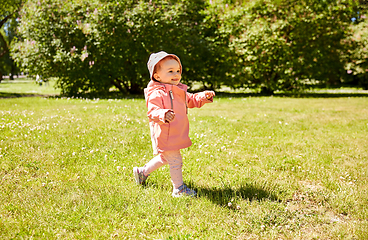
x,y
156,57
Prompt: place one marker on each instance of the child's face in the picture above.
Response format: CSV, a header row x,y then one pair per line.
x,y
169,72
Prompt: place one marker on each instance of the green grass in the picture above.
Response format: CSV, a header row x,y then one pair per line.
x,y
26,87
264,168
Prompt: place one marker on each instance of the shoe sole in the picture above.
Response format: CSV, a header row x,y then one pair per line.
x,y
184,195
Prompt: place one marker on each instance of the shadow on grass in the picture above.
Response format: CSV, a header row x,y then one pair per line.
x,y
292,95
223,195
20,95
119,95
110,95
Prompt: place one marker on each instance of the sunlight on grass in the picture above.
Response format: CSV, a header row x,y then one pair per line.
x,y
27,86
264,168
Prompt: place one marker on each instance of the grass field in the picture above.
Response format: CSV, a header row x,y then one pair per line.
x,y
264,168
26,87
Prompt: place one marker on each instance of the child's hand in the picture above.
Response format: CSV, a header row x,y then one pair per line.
x,y
169,116
209,94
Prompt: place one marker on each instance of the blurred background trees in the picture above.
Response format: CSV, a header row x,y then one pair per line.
x,y
280,45
8,24
292,43
356,56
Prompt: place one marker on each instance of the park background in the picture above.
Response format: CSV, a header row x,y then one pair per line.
x,y
266,46
280,154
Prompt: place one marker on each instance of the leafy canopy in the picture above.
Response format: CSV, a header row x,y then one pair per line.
x,y
95,45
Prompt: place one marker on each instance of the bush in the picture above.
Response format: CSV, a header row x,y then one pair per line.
x,y
93,45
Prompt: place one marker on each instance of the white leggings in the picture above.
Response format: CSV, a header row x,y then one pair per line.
x,y
175,161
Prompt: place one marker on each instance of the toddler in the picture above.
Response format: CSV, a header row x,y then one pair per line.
x,y
167,101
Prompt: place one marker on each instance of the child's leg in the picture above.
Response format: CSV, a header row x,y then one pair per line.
x,y
176,163
154,164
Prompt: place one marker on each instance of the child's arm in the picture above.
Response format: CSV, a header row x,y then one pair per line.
x,y
156,111
199,99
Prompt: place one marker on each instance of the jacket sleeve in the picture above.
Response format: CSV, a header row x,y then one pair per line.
x,y
197,100
156,111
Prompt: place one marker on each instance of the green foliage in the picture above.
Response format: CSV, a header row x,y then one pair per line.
x,y
91,46
357,57
288,41
7,64
7,18
8,7
94,45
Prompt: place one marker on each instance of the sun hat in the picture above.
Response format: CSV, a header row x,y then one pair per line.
x,y
156,58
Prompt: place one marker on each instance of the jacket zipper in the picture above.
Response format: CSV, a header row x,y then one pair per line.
x,y
171,98
172,108
186,105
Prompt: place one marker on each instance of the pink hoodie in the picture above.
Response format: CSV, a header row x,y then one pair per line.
x,y
161,98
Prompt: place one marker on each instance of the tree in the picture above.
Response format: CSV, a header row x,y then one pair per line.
x,y
357,55
288,43
95,45
8,11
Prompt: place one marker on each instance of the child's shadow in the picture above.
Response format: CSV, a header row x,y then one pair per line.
x,y
224,195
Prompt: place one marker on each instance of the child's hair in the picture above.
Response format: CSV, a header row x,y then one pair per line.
x,y
158,65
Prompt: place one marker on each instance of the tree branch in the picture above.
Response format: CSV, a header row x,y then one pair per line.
x,y
6,19
6,47
1,35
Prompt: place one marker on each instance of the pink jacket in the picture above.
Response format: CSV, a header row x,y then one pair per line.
x,y
161,98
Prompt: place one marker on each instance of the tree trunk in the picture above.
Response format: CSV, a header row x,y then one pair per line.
x,y
364,83
6,47
266,91
12,71
124,87
135,89
117,84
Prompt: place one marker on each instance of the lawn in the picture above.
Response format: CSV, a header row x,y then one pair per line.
x,y
26,86
264,168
